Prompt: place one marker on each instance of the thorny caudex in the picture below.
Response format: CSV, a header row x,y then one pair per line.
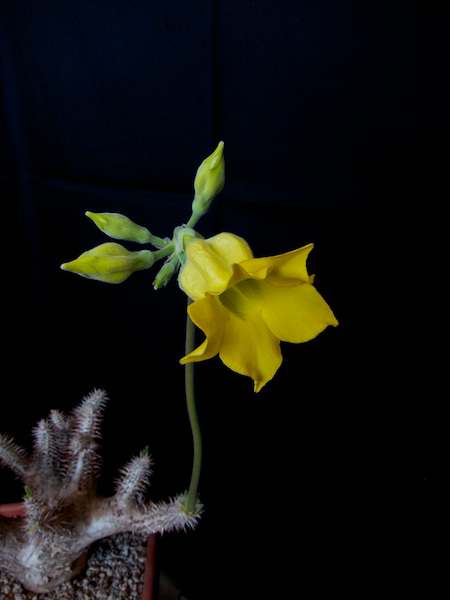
x,y
64,513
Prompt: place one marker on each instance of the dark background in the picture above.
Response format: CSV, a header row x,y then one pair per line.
x,y
333,117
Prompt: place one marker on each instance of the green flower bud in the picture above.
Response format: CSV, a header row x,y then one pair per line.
x,y
111,263
120,227
166,272
209,180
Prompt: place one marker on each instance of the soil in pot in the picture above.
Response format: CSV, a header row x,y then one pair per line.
x,y
115,570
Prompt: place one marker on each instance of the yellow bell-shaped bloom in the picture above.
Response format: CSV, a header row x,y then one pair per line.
x,y
111,263
120,227
246,305
209,180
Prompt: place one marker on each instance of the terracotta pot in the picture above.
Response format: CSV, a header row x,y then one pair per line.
x,y
12,510
151,574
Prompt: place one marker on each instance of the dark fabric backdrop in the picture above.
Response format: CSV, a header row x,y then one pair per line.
x,y
333,117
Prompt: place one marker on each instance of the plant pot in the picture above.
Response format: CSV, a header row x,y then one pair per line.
x,y
151,573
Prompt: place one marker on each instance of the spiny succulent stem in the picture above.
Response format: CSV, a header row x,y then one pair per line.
x,y
64,514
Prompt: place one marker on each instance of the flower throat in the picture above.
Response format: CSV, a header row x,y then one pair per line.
x,y
242,297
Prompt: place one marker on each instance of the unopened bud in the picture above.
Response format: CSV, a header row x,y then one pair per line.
x,y
111,263
120,227
166,273
209,180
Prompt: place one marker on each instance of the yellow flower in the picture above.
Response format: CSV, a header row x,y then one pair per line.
x,y
246,305
111,263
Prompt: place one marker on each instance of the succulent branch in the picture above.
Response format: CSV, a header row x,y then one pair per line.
x,y
132,484
14,457
64,512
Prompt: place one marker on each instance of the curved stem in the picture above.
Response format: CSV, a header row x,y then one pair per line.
x,y
192,412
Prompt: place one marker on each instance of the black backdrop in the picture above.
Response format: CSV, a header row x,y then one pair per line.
x,y
332,114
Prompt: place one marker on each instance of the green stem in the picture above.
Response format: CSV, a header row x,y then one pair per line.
x,y
155,240
192,412
159,254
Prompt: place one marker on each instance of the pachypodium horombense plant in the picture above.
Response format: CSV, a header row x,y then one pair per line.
x,y
64,514
244,306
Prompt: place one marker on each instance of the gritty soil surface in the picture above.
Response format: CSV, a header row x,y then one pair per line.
x,y
115,571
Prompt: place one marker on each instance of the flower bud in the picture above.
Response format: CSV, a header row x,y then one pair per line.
x,y
120,227
111,263
209,180
166,272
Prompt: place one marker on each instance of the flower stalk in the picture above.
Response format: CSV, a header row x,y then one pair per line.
x,y
244,305
193,418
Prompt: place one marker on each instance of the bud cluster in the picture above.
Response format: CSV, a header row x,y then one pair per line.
x,y
112,263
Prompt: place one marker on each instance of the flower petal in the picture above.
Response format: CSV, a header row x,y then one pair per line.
x,y
251,349
283,270
212,265
205,271
211,317
231,247
295,314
